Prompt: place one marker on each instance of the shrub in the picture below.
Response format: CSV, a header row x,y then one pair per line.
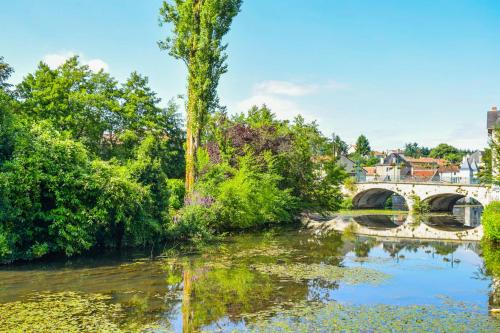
x,y
247,197
55,199
120,206
350,184
346,203
176,192
194,223
420,207
491,221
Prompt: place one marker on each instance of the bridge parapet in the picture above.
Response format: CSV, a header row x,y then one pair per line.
x,y
417,180
442,196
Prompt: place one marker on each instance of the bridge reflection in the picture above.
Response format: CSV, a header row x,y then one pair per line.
x,y
374,221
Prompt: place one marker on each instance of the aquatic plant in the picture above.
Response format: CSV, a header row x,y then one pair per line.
x,y
66,312
335,317
299,272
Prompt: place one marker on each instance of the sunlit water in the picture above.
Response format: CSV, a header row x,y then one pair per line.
x,y
280,279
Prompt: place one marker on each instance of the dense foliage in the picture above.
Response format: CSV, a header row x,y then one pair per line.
x,y
414,150
491,221
255,169
447,152
86,162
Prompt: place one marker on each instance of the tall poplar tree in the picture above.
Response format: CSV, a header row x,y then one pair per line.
x,y
363,146
196,38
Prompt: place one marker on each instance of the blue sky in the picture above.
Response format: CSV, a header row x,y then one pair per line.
x,y
396,71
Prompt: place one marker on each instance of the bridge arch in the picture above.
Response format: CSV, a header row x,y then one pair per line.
x,y
444,202
376,198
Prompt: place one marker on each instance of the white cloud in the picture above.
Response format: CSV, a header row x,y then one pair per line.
x,y
282,97
284,88
471,135
287,88
282,107
97,64
55,60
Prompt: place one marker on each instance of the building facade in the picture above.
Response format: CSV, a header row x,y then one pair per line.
x,y
493,123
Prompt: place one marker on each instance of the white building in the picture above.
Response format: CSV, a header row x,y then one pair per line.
x,y
468,170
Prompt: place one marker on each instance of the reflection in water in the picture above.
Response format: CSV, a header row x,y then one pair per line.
x,y
464,217
468,215
374,221
491,254
225,288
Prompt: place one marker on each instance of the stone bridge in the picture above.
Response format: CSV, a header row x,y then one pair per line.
x,y
440,196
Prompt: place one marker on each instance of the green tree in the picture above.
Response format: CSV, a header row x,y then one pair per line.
x,y
73,99
363,146
42,190
447,152
485,174
339,146
8,123
5,72
416,151
197,30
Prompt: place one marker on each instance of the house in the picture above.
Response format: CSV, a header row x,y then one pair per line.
x,y
426,162
371,174
424,175
351,168
477,157
348,164
378,154
468,170
393,167
465,173
449,174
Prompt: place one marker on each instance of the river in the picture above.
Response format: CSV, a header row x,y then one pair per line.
x,y
284,279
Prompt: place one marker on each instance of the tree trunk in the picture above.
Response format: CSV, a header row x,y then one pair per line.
x,y
187,315
193,130
192,137
190,160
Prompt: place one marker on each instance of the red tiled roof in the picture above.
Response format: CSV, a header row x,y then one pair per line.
x,y
424,173
427,160
370,170
449,168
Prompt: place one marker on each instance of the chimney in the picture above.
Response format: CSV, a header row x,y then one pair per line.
x,y
493,119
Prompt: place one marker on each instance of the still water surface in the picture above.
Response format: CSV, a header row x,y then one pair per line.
x,y
286,279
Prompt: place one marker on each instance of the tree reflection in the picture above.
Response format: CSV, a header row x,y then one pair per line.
x,y
491,255
222,286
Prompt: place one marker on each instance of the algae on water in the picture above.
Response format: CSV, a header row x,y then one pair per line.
x,y
335,317
66,312
300,271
